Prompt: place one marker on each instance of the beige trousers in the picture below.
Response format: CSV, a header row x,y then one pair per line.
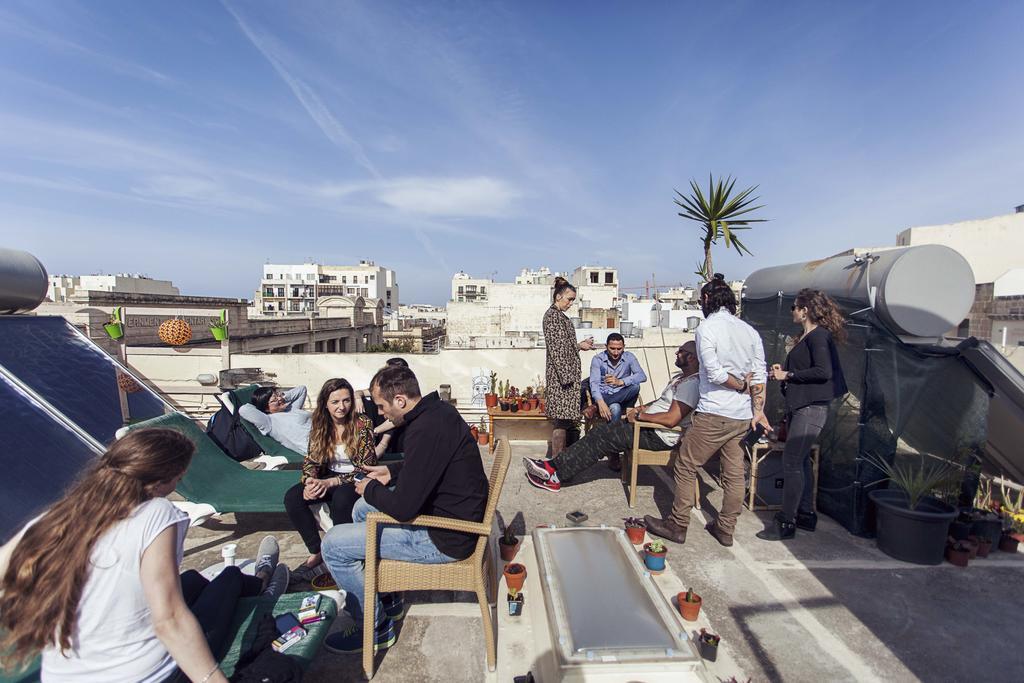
x,y
708,435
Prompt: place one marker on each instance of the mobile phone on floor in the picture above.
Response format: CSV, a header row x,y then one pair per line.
x,y
286,622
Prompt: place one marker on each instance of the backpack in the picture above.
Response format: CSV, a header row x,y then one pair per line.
x,y
226,430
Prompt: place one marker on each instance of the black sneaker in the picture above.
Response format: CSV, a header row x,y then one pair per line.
x,y
350,640
781,529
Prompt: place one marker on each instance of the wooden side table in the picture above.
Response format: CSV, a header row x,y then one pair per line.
x,y
505,418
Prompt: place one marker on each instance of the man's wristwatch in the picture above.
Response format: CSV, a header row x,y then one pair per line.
x,y
742,389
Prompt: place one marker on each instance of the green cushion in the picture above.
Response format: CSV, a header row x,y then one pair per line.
x,y
216,479
246,620
244,624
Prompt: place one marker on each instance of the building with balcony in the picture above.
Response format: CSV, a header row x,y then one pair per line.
x,y
469,289
295,289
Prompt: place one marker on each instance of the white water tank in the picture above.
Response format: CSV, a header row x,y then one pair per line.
x,y
23,281
922,291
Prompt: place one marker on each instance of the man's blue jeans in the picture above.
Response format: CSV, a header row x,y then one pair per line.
x,y
620,398
344,552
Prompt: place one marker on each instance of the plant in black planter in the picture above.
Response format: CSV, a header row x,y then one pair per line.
x,y
508,544
516,600
986,524
912,525
960,528
707,643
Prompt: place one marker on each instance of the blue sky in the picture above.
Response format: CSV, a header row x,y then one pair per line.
x,y
193,141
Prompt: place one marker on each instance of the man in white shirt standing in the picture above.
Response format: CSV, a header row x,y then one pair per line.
x,y
732,384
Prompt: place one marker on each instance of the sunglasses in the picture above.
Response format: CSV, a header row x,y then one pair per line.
x,y
794,307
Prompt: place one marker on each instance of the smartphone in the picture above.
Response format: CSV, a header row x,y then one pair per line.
x,y
359,476
752,437
576,517
286,622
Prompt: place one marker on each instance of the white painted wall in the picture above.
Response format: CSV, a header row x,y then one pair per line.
x,y
992,246
1010,283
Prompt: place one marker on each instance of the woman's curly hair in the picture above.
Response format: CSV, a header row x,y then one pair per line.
x,y
822,311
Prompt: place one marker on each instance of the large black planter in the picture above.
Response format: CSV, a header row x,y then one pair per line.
x,y
917,536
989,525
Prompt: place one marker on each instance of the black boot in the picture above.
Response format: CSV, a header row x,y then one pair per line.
x,y
807,521
781,530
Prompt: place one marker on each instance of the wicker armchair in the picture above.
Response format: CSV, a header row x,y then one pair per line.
x,y
474,574
639,456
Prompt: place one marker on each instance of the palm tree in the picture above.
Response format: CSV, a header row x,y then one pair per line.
x,y
719,214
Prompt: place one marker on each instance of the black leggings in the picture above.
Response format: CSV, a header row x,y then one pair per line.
x,y
340,500
213,604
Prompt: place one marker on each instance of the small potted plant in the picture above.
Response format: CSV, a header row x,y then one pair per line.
x,y
972,546
984,546
482,436
635,529
219,326
958,553
491,399
515,576
515,602
115,327
1008,544
513,399
707,643
508,544
689,604
654,556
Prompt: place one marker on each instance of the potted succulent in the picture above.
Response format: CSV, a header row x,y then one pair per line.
x,y
515,576
911,525
115,327
513,399
958,553
654,556
491,399
508,544
689,604
482,436
707,643
635,529
219,326
515,602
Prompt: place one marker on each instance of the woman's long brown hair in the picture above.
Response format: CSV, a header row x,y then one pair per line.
x,y
823,311
48,570
322,435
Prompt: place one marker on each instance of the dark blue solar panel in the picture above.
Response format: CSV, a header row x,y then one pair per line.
x,y
49,356
39,458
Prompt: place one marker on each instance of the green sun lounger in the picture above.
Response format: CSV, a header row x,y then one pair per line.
x,y
219,481
267,444
244,624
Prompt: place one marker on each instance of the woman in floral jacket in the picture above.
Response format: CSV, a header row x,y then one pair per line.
x,y
341,444
562,368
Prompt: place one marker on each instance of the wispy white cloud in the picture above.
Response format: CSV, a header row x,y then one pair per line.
x,y
332,128
15,25
475,197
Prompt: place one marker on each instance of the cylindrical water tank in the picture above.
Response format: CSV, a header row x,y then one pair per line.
x,y
921,291
23,281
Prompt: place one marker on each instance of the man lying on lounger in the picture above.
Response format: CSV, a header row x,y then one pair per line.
x,y
280,416
677,401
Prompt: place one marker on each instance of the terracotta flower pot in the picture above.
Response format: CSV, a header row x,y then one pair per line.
x,y
490,400
1008,544
972,544
508,552
1019,536
635,534
958,557
483,438
689,610
515,576
984,547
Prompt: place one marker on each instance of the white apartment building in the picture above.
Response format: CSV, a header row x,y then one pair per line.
x,y
62,287
469,289
486,313
541,276
296,289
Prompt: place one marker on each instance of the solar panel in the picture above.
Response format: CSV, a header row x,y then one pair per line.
x,y
52,358
40,457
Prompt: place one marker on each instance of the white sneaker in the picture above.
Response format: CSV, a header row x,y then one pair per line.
x,y
267,555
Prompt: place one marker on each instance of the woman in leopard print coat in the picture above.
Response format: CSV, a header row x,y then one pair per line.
x,y
562,368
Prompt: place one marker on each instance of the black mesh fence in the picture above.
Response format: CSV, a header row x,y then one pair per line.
x,y
904,400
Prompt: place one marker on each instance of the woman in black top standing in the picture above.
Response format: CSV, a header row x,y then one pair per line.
x,y
811,378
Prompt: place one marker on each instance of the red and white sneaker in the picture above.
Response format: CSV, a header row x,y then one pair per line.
x,y
551,484
541,469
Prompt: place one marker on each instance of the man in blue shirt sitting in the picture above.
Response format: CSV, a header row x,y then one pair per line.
x,y
615,378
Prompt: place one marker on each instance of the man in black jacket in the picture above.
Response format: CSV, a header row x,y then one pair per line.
x,y
442,475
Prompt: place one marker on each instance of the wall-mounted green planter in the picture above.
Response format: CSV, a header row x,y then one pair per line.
x,y
219,333
115,330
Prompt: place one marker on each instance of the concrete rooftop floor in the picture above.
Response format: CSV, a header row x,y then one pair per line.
x,y
825,606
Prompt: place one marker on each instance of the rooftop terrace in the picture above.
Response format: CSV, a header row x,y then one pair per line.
x,y
826,606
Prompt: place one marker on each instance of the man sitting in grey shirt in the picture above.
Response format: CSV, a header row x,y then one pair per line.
x,y
280,416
